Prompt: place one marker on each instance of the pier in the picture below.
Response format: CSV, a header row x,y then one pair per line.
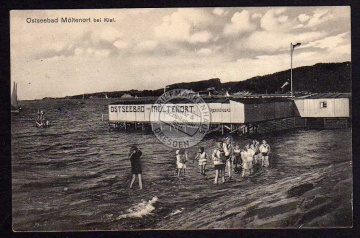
x,y
245,115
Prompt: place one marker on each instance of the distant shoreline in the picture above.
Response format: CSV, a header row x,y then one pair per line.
x,y
330,77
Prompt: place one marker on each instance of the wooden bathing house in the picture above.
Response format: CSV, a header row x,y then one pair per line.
x,y
324,110
227,115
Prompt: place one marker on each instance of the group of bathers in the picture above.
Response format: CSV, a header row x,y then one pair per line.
x,y
226,155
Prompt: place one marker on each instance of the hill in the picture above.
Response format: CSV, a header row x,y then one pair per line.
x,y
319,78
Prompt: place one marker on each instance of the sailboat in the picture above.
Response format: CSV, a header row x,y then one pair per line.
x,y
14,100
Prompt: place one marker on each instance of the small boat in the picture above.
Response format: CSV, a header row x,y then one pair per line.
x,y
41,121
15,109
42,124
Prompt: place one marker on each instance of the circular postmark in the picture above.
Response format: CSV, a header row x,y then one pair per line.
x,y
180,118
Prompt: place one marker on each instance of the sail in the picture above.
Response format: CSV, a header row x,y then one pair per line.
x,y
14,100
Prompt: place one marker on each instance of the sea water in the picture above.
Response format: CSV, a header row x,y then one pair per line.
x,y
75,175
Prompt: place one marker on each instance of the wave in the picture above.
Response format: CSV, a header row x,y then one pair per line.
x,y
142,209
79,202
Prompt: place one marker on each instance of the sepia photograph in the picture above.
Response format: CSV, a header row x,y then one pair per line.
x,y
129,119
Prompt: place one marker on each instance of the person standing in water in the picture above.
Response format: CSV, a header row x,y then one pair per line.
x,y
177,160
257,156
181,159
202,156
237,158
219,159
248,158
229,151
41,115
255,147
134,156
265,151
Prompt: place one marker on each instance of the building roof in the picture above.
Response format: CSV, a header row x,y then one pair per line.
x,y
325,95
223,100
259,100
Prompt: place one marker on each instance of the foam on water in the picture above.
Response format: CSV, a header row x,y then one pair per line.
x,y
177,211
139,210
79,202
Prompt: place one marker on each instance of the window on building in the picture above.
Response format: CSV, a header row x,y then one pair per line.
x,y
323,105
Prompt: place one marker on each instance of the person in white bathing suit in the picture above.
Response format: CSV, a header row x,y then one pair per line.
x,y
181,159
248,158
202,156
219,160
265,151
237,158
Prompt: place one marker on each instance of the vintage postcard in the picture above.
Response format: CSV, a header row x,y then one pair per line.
x,y
181,118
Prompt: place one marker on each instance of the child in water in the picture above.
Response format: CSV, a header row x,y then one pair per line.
x,y
181,159
248,157
219,159
265,151
202,156
237,157
134,156
229,152
255,147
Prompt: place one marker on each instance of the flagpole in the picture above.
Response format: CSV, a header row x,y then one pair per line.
x,y
291,81
292,47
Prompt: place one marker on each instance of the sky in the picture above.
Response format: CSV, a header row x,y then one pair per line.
x,y
151,48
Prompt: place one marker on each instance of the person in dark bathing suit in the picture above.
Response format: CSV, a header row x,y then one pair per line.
x,y
229,152
134,156
237,158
